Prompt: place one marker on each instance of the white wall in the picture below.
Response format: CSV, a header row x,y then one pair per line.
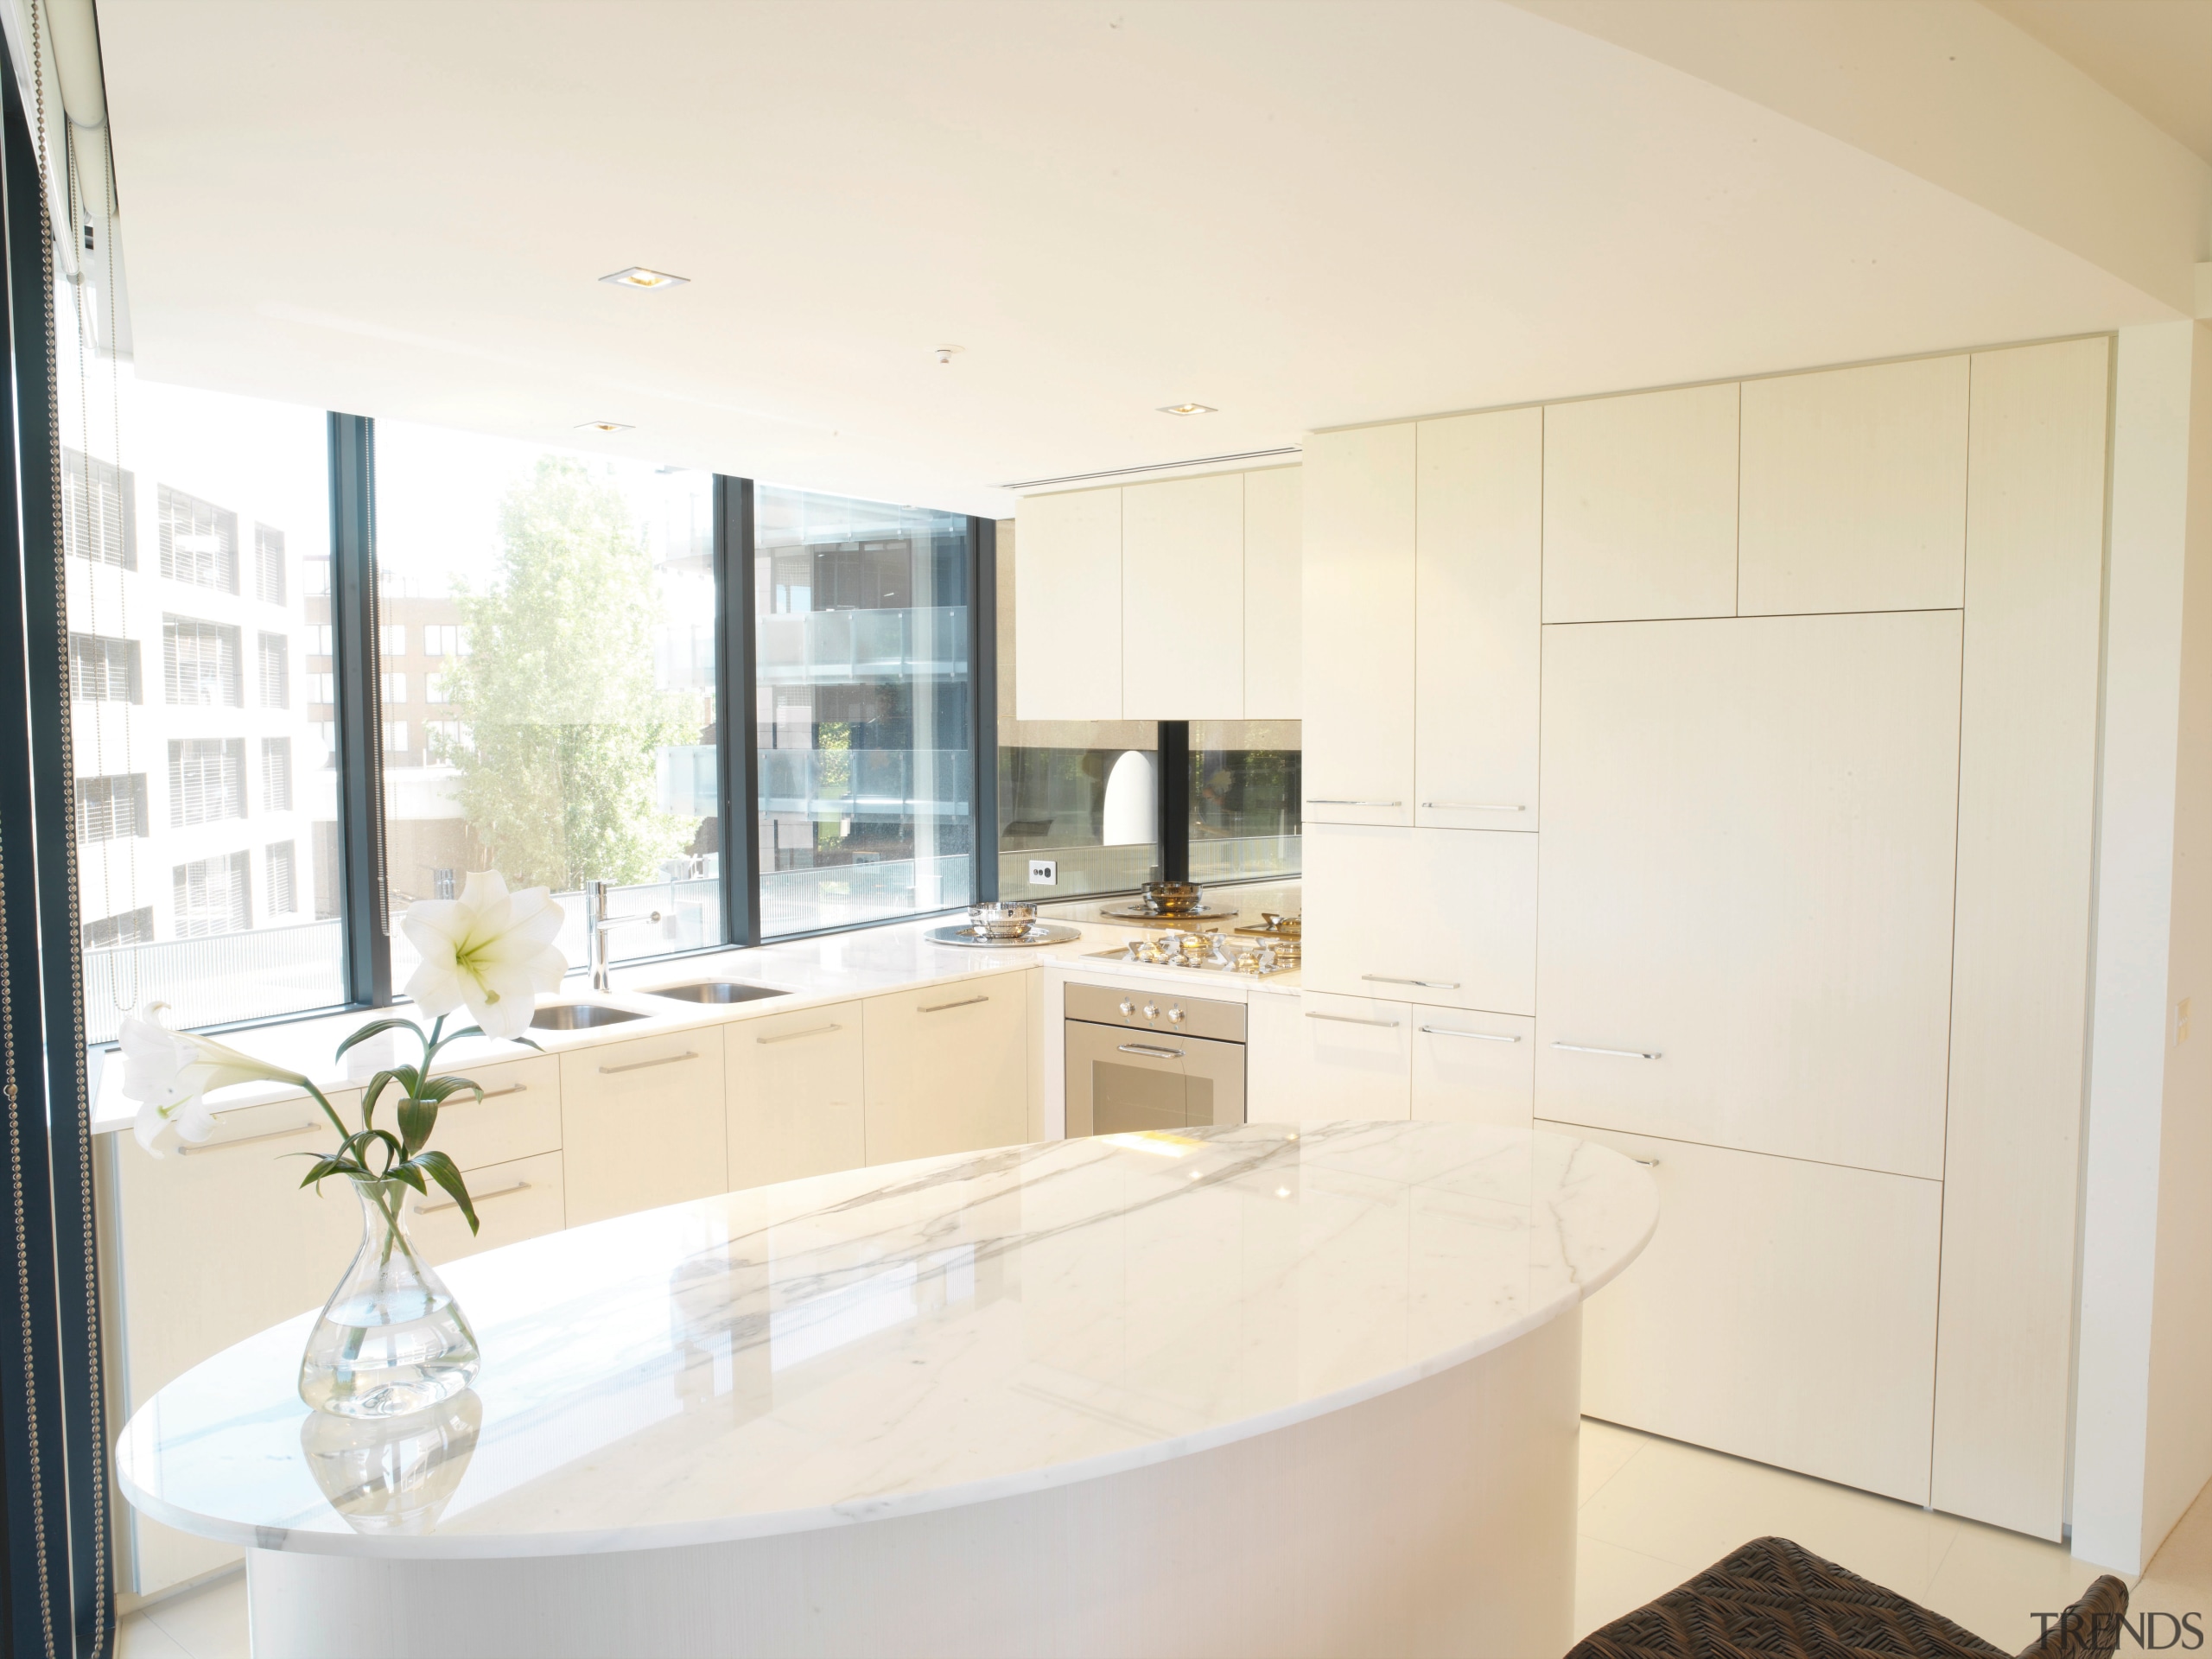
x,y
2142,1418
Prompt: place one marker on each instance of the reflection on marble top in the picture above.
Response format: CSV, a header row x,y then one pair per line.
x,y
891,1340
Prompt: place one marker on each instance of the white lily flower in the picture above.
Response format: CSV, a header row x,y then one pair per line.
x,y
490,949
169,1072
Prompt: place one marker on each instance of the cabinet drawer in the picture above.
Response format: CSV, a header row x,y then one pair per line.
x,y
794,1083
642,1124
1442,917
1355,1055
1784,1311
518,1117
1473,1068
948,1068
514,1201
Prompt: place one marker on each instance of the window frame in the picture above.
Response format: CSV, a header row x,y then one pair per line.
x,y
358,714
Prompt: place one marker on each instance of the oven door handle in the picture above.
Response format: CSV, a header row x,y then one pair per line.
x,y
1157,1053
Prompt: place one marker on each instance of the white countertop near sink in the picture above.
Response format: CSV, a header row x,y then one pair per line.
x,y
827,968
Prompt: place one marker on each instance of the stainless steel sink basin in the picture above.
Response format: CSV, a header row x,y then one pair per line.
x,y
579,1016
718,990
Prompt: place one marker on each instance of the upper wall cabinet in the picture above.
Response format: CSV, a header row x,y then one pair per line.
x,y
1149,602
1479,569
1274,507
1183,584
1854,490
1067,587
1640,507
1359,634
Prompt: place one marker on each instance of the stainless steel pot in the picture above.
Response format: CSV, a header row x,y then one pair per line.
x,y
1171,898
1007,920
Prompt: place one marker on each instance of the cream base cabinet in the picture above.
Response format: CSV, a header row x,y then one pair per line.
x,y
1750,832
642,1124
1784,1311
1441,917
1473,1068
1312,1058
796,1098
1359,633
212,1246
948,1068
514,1201
520,1115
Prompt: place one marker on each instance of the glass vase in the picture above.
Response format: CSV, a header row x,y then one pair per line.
x,y
392,1339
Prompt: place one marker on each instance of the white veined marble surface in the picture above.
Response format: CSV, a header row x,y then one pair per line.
x,y
899,1339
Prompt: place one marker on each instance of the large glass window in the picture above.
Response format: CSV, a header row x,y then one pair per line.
x,y
547,672
168,886
863,714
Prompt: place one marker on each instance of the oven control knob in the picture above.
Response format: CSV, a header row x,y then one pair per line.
x,y
1127,1007
1151,1011
1174,1014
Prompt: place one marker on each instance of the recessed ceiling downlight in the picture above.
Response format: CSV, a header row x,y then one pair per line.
x,y
1188,408
604,426
643,276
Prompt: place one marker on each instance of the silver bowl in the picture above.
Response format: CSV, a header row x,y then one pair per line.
x,y
1008,919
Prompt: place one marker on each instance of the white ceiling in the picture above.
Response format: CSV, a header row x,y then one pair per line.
x,y
1306,214
2155,55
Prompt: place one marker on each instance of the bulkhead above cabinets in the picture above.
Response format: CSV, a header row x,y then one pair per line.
x,y
1174,600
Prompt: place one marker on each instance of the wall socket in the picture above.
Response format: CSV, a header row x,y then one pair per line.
x,y
1044,872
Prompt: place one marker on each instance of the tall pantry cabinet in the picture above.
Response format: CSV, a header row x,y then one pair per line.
x,y
1742,737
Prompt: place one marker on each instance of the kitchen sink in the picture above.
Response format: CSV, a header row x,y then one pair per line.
x,y
717,990
579,1016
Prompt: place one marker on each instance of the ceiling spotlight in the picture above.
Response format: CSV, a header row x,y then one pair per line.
x,y
641,276
606,426
1188,408
945,353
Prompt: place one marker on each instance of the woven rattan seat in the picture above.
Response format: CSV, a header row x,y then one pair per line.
x,y
1773,1597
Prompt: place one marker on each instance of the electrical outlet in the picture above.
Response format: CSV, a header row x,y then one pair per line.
x,y
2181,1022
1044,872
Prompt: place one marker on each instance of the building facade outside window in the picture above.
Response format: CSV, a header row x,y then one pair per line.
x,y
179,905
863,719
538,591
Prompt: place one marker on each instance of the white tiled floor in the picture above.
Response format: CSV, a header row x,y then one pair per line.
x,y
1653,1512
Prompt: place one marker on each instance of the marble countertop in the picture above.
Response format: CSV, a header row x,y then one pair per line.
x,y
905,1338
826,967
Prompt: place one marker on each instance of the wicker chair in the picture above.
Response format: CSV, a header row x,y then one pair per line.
x,y
1774,1598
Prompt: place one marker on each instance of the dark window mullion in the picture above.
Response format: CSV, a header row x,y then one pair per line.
x,y
737,759
359,728
983,702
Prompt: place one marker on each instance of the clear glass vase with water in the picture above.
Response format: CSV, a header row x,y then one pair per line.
x,y
392,1339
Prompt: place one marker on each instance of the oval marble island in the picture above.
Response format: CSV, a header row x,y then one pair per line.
x,y
1265,1390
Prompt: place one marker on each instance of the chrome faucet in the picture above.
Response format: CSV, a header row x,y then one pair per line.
x,y
597,926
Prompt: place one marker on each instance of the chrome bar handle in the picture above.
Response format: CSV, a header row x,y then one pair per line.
x,y
186,1151
1618,1053
1426,984
1324,800
639,1065
1649,1163
964,1003
793,1036
491,1094
474,1199
1157,1053
1470,806
1350,1020
1480,1036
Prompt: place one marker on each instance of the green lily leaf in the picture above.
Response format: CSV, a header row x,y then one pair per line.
x,y
327,1166
443,1170
411,1173
374,1028
418,1117
369,1097
443,1089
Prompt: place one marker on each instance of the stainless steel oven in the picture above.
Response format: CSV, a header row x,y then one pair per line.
x,y
1143,1060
